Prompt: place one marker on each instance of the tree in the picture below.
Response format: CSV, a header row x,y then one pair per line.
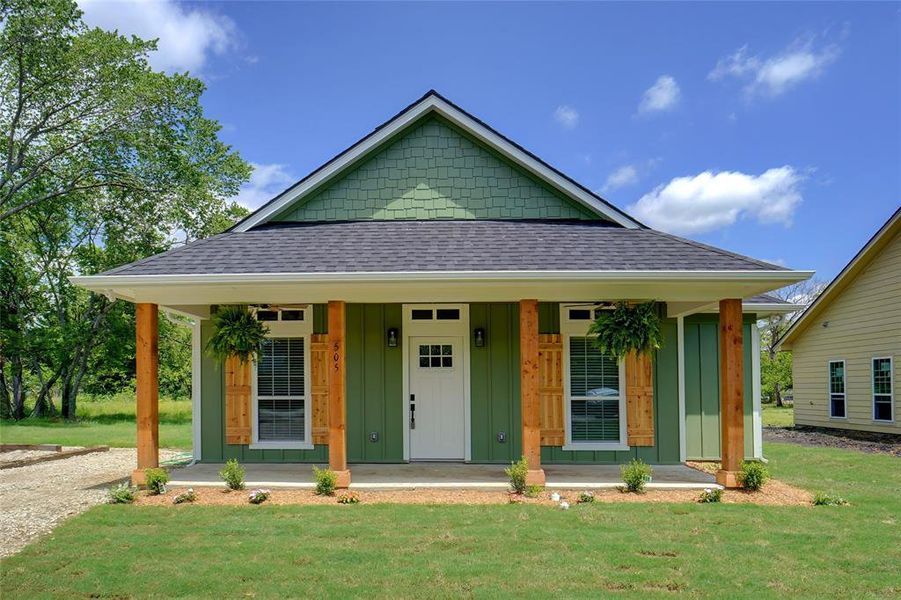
x,y
776,367
103,161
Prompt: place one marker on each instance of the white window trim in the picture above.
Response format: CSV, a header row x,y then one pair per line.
x,y
570,328
287,329
829,386
891,374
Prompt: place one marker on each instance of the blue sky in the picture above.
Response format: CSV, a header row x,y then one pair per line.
x,y
773,130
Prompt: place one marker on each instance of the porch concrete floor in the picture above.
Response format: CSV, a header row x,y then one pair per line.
x,y
439,475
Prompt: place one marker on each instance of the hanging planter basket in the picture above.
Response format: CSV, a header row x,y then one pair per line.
x,y
236,333
626,329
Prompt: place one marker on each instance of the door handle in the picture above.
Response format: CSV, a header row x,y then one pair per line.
x,y
412,411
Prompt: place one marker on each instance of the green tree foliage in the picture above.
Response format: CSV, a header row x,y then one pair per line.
x,y
775,376
103,161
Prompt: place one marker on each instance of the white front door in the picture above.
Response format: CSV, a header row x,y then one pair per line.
x,y
436,413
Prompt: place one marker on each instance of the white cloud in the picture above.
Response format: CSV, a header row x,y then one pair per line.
x,y
187,35
708,201
801,61
621,177
566,116
663,95
265,183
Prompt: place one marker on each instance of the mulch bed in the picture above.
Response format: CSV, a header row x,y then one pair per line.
x,y
776,493
864,441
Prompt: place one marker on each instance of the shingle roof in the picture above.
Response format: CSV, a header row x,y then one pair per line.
x,y
408,246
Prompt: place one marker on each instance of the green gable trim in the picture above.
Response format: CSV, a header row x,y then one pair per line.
x,y
434,170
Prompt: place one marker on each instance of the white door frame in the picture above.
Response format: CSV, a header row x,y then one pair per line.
x,y
437,328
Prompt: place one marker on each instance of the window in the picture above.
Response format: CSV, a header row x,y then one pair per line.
x,y
436,356
882,390
594,393
281,400
837,404
440,314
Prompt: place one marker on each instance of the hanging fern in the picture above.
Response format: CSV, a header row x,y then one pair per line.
x,y
236,333
627,328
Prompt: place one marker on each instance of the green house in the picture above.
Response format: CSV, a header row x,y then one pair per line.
x,y
428,294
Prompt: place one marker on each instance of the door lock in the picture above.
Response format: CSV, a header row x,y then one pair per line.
x,y
412,411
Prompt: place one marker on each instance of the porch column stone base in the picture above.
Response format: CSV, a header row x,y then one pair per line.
x,y
728,479
343,481
535,477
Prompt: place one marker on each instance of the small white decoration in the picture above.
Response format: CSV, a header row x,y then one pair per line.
x,y
564,505
555,497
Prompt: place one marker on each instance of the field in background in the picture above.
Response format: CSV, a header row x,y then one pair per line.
x,y
774,416
103,420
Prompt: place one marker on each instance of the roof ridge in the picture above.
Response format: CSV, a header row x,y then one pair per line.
x,y
704,246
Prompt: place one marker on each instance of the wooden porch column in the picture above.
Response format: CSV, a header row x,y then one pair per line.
x,y
337,386
732,415
529,390
147,387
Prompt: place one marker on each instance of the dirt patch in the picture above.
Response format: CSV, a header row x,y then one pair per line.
x,y
776,493
863,441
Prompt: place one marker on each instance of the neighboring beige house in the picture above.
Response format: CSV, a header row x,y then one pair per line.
x,y
847,345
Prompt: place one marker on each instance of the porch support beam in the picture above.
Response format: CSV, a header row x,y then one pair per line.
x,y
732,434
337,391
529,390
147,389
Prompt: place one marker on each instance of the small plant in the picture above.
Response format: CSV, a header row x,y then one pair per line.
x,y
156,480
821,499
753,476
710,495
188,495
259,496
233,474
534,490
585,498
122,494
236,332
326,481
627,329
517,472
564,505
636,475
348,498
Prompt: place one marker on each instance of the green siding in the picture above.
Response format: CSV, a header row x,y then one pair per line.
x,y
374,384
494,379
434,171
666,415
548,317
702,387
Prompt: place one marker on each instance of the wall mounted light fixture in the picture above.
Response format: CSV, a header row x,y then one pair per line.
x,y
392,337
478,337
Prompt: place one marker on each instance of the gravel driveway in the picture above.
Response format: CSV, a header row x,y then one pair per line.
x,y
33,499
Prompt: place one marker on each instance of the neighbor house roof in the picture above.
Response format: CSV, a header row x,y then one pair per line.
x,y
847,275
441,245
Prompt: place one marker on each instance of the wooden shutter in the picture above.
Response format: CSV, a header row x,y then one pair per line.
x,y
319,386
237,400
639,400
550,388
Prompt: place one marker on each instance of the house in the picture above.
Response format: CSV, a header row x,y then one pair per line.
x,y
428,292
846,346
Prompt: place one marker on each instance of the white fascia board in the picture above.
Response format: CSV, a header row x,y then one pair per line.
x,y
433,103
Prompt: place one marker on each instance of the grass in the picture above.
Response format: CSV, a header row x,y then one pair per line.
x,y
774,416
592,550
102,420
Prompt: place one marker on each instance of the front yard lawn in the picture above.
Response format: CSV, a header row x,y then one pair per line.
x,y
775,416
634,550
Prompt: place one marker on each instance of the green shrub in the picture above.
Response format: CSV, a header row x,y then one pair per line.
x,y
122,494
259,496
156,480
711,495
636,475
534,490
753,476
233,474
349,498
585,498
326,481
517,473
188,495
821,499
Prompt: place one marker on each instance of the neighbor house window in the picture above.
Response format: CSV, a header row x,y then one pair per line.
x,y
594,393
837,401
882,389
281,386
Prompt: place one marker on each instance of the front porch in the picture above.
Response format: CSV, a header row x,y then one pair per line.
x,y
431,475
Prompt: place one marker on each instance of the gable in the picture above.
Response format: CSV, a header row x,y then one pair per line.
x,y
434,171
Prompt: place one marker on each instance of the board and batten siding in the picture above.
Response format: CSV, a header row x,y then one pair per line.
x,y
863,322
